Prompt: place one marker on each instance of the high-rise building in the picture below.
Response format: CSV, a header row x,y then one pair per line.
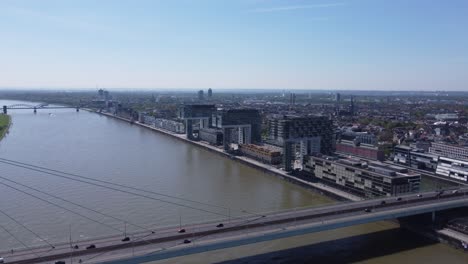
x,y
292,98
337,97
241,126
201,95
196,116
210,93
313,134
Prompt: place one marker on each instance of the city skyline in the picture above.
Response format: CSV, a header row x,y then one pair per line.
x,y
310,45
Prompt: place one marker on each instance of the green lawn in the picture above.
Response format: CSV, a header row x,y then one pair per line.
x,y
4,123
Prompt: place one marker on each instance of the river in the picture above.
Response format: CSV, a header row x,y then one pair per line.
x,y
103,148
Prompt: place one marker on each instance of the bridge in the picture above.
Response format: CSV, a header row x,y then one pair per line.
x,y
35,107
195,238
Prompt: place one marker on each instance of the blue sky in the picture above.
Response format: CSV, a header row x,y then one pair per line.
x,y
296,44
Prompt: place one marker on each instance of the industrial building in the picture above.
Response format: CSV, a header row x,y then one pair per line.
x,y
261,153
363,177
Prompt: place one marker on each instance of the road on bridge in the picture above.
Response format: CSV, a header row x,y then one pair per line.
x,y
168,242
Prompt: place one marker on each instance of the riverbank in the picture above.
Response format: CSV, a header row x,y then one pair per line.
x,y
321,188
5,122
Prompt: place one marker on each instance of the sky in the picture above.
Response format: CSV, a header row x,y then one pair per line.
x,y
271,44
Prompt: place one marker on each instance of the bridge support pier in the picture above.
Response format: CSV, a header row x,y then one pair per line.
x,y
77,109
35,110
5,109
433,216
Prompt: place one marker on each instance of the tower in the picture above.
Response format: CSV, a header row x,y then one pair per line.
x,y
210,93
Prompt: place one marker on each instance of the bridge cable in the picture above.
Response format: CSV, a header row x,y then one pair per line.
x,y
76,204
119,190
25,227
59,206
19,240
114,184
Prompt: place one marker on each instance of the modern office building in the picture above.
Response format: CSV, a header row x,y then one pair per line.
x,y
261,153
314,134
362,150
241,126
415,158
196,116
453,168
211,135
363,177
449,151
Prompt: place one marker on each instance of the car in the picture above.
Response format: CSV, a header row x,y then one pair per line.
x,y
399,199
126,239
181,230
455,191
186,241
60,262
91,246
367,210
383,202
420,195
220,225
2,260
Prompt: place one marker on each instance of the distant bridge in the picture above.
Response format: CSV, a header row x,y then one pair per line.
x,y
36,107
170,242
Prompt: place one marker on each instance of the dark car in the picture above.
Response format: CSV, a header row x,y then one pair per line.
x,y
399,199
220,225
181,230
91,246
383,202
186,241
367,210
60,262
126,239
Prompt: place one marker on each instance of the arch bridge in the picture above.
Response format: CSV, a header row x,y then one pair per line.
x,y
36,107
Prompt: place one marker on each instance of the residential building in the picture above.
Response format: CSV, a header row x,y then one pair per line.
x,y
261,153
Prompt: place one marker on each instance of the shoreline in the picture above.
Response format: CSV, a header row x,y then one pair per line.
x,y
322,189
7,128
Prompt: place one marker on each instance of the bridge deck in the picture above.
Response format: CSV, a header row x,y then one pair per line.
x,y
167,242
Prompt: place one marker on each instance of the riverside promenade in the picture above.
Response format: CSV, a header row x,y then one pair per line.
x,y
330,191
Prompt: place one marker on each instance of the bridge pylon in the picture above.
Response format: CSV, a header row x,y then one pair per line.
x,y
35,110
5,111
